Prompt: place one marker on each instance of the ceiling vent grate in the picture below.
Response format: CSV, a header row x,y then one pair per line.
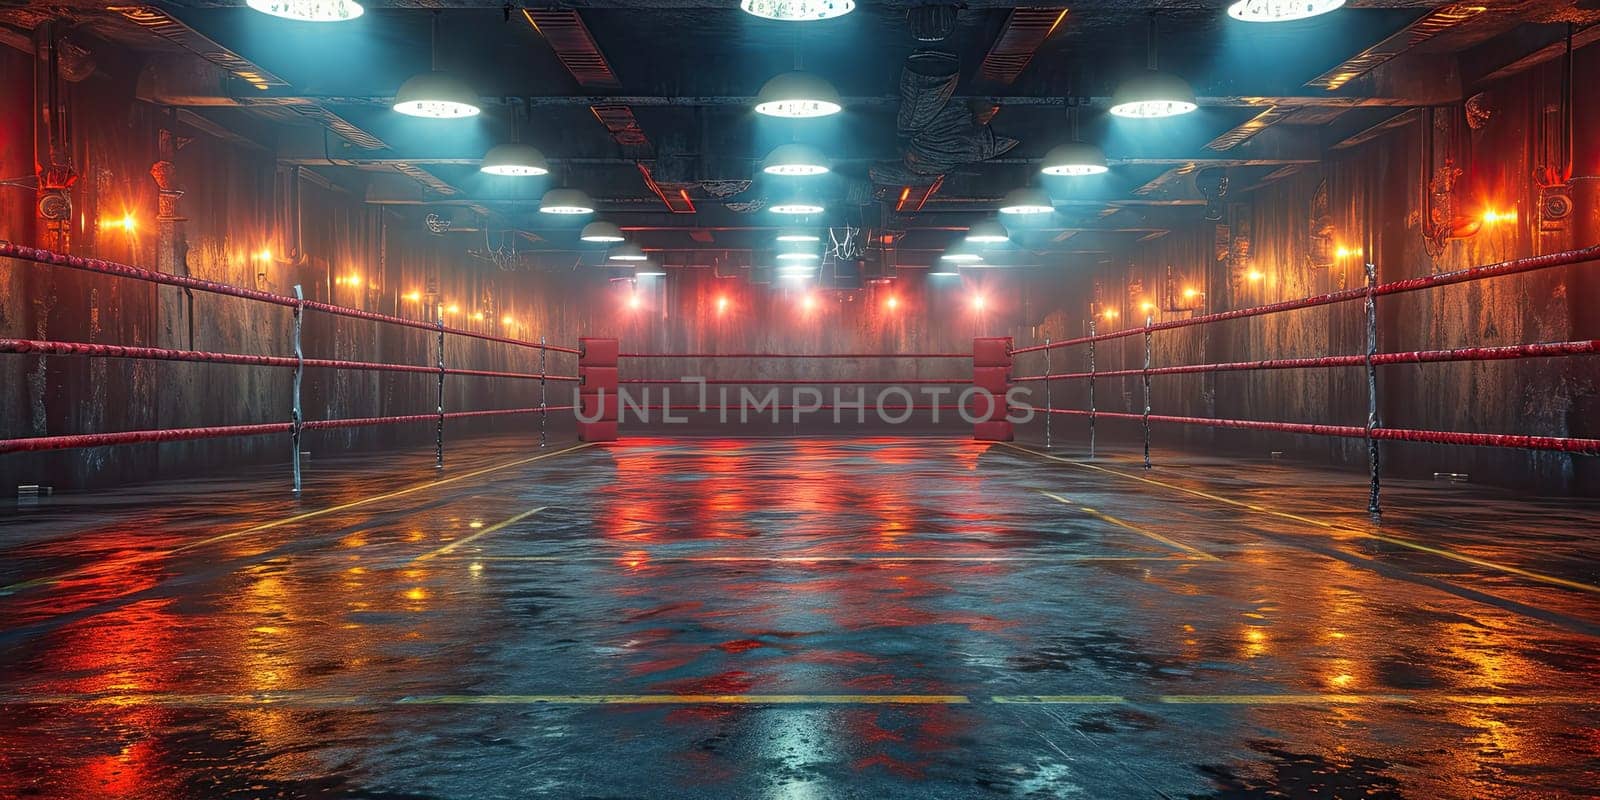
x,y
574,45
1013,49
1428,26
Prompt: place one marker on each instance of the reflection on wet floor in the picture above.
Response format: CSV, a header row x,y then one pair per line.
x,y
795,619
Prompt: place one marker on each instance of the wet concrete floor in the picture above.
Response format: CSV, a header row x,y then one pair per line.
x,y
804,618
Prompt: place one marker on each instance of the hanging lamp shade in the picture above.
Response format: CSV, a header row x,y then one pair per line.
x,y
1074,159
516,160
436,95
793,235
601,232
960,255
566,201
1026,200
1153,94
1281,10
309,10
798,10
798,95
795,160
626,252
987,232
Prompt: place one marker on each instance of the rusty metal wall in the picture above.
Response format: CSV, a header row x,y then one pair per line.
x,y
1371,199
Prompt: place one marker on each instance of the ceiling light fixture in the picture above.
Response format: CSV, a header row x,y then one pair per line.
x,y
1281,10
961,257
601,232
987,232
1075,159
795,160
943,271
797,256
515,160
566,201
796,208
1153,94
309,10
626,252
798,10
798,95
1026,200
433,94
798,236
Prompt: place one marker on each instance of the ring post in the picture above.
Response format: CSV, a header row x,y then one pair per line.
x,y
1091,387
299,375
598,403
991,372
438,429
543,412
1148,321
1049,407
1373,506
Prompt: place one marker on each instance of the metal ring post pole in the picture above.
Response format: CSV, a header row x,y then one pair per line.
x,y
1091,387
543,414
1148,321
438,431
1049,407
299,374
1373,506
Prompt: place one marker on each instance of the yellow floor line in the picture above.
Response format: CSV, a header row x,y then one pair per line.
x,y
1406,543
1227,699
1129,526
813,559
15,587
690,699
479,535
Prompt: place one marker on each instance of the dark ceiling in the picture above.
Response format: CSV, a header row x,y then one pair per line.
x,y
674,81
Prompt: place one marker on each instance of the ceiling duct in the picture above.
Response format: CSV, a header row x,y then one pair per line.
x,y
938,136
933,22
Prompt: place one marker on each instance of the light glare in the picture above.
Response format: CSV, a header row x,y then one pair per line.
x,y
309,10
798,10
1281,10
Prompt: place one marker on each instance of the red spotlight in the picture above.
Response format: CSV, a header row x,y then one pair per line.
x,y
977,302
808,302
722,304
892,303
634,301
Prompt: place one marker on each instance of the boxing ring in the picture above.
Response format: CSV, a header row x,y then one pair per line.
x,y
984,397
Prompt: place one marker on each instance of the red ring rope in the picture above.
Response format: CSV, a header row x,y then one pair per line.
x,y
1541,350
68,442
1556,443
795,381
795,355
1503,268
94,350
104,267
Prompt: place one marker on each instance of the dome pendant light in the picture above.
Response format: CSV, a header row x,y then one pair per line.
x,y
433,94
626,252
795,160
798,95
1153,94
309,10
1026,201
601,232
568,202
1281,10
1075,158
514,159
798,10
987,232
